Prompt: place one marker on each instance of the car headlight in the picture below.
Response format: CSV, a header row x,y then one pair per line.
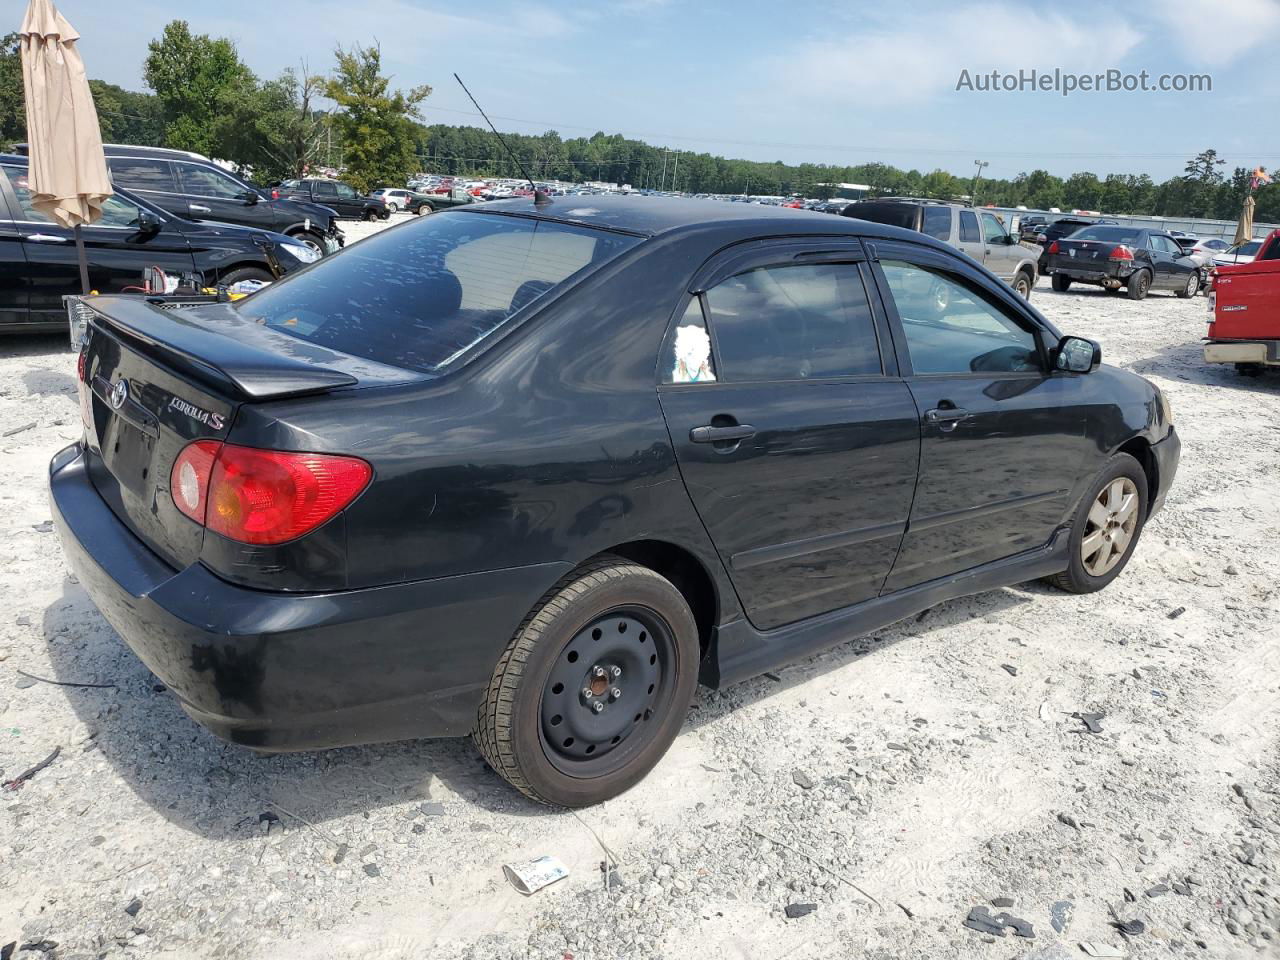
x,y
301,252
1166,411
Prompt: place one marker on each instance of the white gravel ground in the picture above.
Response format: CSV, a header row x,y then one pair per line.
x,y
896,782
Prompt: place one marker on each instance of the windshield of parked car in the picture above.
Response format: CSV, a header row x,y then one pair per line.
x,y
423,294
1107,234
1246,249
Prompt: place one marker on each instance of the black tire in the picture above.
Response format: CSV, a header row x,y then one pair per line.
x,y
1022,284
1191,288
1076,578
512,724
244,273
1139,285
370,215
1060,283
425,210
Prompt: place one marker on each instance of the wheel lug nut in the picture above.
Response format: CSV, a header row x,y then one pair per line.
x,y
598,671
597,706
615,693
616,672
586,692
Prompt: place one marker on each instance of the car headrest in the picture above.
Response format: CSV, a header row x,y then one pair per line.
x,y
527,292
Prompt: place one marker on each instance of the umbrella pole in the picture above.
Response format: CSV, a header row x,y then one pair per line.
x,y
84,261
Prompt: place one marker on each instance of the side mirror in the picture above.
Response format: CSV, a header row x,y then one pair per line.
x,y
250,197
1078,355
148,222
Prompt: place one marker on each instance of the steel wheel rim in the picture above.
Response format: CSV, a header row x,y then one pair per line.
x,y
1110,526
308,242
1143,283
1193,284
593,735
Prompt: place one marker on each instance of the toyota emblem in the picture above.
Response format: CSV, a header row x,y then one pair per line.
x,y
119,394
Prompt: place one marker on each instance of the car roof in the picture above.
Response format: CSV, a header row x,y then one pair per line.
x,y
652,216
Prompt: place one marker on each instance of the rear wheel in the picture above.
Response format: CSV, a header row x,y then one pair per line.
x,y
1060,283
1106,526
1139,285
1022,285
393,207
425,210
594,686
1192,286
371,214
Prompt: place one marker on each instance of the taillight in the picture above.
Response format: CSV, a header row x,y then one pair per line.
x,y
263,496
275,194
1121,253
81,359
1053,247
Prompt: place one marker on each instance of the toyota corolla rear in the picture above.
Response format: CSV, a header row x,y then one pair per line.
x,y
225,509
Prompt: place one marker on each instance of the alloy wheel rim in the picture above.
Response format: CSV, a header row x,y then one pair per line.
x,y
1110,527
308,242
1193,282
606,692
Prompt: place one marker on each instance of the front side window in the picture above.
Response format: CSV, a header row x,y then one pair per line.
x,y
992,229
203,182
794,323
421,295
969,228
116,212
346,191
937,223
951,329
140,174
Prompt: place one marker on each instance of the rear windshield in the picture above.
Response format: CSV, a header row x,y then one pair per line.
x,y
1107,234
891,214
420,295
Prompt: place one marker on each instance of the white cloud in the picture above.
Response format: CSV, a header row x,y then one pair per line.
x,y
1216,35
921,55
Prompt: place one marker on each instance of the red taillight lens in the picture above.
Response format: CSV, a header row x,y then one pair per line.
x,y
1053,247
1121,253
263,496
275,194
189,478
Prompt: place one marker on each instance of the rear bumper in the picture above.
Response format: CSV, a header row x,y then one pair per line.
x,y
281,671
1167,453
1243,351
1102,274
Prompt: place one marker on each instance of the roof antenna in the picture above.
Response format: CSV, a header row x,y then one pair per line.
x,y
539,196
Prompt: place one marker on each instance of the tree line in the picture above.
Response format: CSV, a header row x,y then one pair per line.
x,y
202,97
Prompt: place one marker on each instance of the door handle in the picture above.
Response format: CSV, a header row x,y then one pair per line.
x,y
946,417
198,208
711,434
48,238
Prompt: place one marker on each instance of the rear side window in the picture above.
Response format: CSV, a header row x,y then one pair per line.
x,y
794,323
140,174
420,295
937,222
969,232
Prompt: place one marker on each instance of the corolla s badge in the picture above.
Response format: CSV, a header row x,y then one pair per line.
x,y
119,394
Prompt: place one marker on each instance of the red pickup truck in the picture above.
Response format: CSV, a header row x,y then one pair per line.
x,y
1244,307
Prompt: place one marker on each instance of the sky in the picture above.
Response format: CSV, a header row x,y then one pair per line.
x,y
823,82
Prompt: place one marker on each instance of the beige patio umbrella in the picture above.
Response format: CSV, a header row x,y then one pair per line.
x,y
67,171
1244,229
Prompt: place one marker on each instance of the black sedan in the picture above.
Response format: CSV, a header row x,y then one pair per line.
x,y
1131,258
39,263
531,471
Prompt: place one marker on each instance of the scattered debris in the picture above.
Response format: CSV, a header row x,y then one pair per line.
x,y
796,910
45,526
1092,721
341,853
801,780
773,676
898,746
1002,902
819,864
25,682
134,906
371,869
1069,820
1010,669
14,431
1230,570
1129,928
40,946
532,875
431,809
1100,949
907,910
1176,612
61,683
1181,889
612,879
1235,787
1129,896
1159,890
267,820
1060,913
980,919
17,782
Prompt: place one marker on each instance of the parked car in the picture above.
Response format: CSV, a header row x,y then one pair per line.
x,y
39,262
424,204
1031,225
1137,259
341,197
979,233
1237,253
532,471
1062,227
1191,249
1244,311
191,186
394,199
1210,247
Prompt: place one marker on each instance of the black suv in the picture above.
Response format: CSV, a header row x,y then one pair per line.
x,y
342,197
191,186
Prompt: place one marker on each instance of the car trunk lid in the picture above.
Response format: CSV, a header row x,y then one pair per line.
x,y
153,380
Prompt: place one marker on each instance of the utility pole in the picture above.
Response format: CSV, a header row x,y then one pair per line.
x,y
662,184
675,171
973,192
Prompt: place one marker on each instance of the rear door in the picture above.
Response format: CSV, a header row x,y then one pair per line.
x,y
796,440
13,262
971,235
1002,437
152,179
117,251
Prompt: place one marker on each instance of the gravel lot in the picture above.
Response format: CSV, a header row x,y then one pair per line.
x,y
896,782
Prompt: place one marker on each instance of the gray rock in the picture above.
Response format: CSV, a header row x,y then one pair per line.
x,y
800,779
797,910
371,869
431,809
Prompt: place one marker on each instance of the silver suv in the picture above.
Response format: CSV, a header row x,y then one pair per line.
x,y
979,233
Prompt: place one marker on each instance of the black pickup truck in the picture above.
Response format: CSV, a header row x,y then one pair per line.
x,y
342,197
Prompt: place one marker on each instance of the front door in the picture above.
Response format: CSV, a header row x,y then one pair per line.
x,y
214,195
798,446
1001,254
13,264
1002,439
117,251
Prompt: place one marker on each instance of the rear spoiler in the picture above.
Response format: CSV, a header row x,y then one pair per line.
x,y
227,349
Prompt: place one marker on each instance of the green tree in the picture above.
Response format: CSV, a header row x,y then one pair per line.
x,y
1200,182
126,116
1082,191
376,122
201,84
13,112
